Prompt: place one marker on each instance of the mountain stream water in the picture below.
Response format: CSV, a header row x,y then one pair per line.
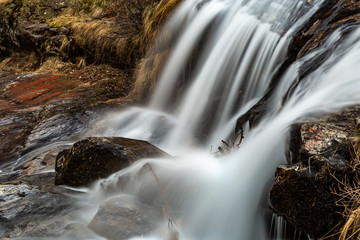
x,y
246,41
226,198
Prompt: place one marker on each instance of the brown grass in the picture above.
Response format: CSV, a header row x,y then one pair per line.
x,y
349,193
154,17
150,67
147,75
120,32
4,2
102,39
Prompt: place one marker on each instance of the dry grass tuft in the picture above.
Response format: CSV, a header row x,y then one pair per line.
x,y
119,32
154,17
3,2
102,39
352,226
349,193
94,7
148,74
150,67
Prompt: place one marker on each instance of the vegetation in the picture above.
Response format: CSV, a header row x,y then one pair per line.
x,y
115,32
350,197
150,67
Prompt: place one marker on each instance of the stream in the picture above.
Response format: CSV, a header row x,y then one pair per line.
x,y
209,195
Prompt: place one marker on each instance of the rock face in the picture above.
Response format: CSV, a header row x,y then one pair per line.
x,y
95,158
318,158
332,15
305,199
28,211
122,218
20,30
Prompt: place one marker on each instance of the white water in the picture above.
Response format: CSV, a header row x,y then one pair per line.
x,y
225,198
242,50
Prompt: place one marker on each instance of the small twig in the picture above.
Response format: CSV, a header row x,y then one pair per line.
x,y
221,150
241,134
163,192
228,147
170,223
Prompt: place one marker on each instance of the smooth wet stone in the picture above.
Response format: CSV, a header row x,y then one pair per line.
x,y
124,217
96,158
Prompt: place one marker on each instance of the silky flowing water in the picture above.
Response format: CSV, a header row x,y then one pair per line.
x,y
246,41
243,44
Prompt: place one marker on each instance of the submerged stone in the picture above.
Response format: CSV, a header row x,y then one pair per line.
x,y
123,217
96,158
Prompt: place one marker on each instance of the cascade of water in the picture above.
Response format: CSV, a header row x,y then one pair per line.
x,y
241,49
337,84
221,200
278,227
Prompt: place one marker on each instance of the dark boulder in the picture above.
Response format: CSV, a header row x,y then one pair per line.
x,y
95,158
305,199
306,190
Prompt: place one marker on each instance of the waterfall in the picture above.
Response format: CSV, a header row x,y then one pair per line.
x,y
223,198
242,44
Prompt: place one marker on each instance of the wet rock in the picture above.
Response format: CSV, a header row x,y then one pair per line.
x,y
122,218
34,168
30,210
14,128
305,199
95,158
320,145
318,158
330,16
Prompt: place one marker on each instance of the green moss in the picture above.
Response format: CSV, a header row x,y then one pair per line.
x,y
89,5
62,21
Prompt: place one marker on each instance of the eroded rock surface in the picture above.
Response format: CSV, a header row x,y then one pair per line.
x,y
30,210
319,158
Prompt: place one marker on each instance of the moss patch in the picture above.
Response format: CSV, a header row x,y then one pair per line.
x,y
62,21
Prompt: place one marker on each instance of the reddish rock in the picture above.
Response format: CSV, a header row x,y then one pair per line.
x,y
35,89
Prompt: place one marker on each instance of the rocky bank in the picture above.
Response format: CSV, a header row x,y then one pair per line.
x,y
312,190
62,65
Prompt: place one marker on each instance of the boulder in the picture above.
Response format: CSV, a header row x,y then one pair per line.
x,y
96,158
305,199
123,217
319,158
